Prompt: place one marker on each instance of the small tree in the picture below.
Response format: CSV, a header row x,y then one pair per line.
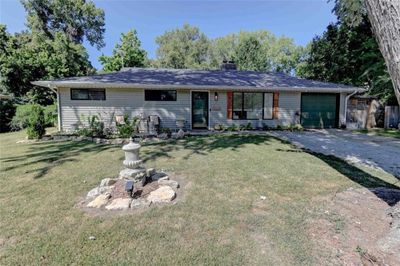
x,y
36,123
127,53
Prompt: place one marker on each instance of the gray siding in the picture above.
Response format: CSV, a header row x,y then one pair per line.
x,y
120,102
289,103
131,102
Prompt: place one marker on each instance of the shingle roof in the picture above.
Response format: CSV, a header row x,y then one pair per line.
x,y
147,77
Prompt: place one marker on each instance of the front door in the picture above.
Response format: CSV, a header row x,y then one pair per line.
x,y
199,109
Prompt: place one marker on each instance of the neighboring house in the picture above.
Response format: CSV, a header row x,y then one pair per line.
x,y
203,98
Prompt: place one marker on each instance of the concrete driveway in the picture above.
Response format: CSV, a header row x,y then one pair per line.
x,y
374,151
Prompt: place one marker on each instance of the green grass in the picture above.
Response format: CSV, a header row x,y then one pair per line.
x,y
394,133
220,219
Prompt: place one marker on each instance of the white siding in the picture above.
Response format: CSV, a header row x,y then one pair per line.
x,y
120,102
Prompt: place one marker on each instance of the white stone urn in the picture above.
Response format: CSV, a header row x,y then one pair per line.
x,y
131,150
134,169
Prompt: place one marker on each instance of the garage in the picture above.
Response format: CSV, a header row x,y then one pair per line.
x,y
319,110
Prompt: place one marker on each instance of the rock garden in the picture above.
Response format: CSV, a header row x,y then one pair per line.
x,y
136,186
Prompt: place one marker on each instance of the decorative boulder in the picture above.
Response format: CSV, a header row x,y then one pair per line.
x,y
166,182
159,176
140,203
162,194
150,172
107,182
99,201
98,190
119,204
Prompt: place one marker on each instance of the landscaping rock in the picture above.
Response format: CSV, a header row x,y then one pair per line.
x,y
150,172
99,201
133,174
97,191
140,203
162,194
107,182
163,136
158,176
166,182
119,204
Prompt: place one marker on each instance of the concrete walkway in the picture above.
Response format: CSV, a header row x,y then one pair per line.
x,y
374,151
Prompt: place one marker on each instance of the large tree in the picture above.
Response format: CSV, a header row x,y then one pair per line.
x,y
348,55
384,16
258,50
127,53
183,48
76,18
25,57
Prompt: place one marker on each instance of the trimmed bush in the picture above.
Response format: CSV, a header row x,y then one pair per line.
x,y
50,115
21,117
36,127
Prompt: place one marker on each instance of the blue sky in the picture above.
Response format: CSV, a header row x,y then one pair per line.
x,y
298,19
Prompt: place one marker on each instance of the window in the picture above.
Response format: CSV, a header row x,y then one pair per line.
x,y
247,105
268,105
88,94
160,95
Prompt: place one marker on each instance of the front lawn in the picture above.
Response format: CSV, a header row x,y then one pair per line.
x,y
219,220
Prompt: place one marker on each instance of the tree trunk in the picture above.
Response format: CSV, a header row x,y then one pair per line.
x,y
384,16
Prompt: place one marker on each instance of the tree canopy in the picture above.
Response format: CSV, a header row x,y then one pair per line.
x,y
76,18
51,47
188,47
384,18
127,53
348,55
25,58
183,48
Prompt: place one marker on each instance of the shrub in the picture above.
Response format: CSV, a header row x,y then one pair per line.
x,y
126,129
95,128
249,126
219,127
265,127
36,127
166,130
297,127
50,115
21,117
7,111
232,127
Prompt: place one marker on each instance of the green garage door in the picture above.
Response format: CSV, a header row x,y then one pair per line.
x,y
319,110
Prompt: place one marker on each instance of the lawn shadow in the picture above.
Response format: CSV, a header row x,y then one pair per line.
x,y
203,145
52,153
355,174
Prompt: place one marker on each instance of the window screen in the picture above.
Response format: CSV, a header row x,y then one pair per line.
x,y
160,95
247,105
88,94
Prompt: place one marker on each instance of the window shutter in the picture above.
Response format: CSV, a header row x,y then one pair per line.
x,y
275,114
229,108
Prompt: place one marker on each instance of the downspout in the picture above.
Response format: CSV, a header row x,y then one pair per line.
x,y
55,90
345,107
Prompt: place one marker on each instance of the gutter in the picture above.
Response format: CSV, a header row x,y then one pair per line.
x,y
105,85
